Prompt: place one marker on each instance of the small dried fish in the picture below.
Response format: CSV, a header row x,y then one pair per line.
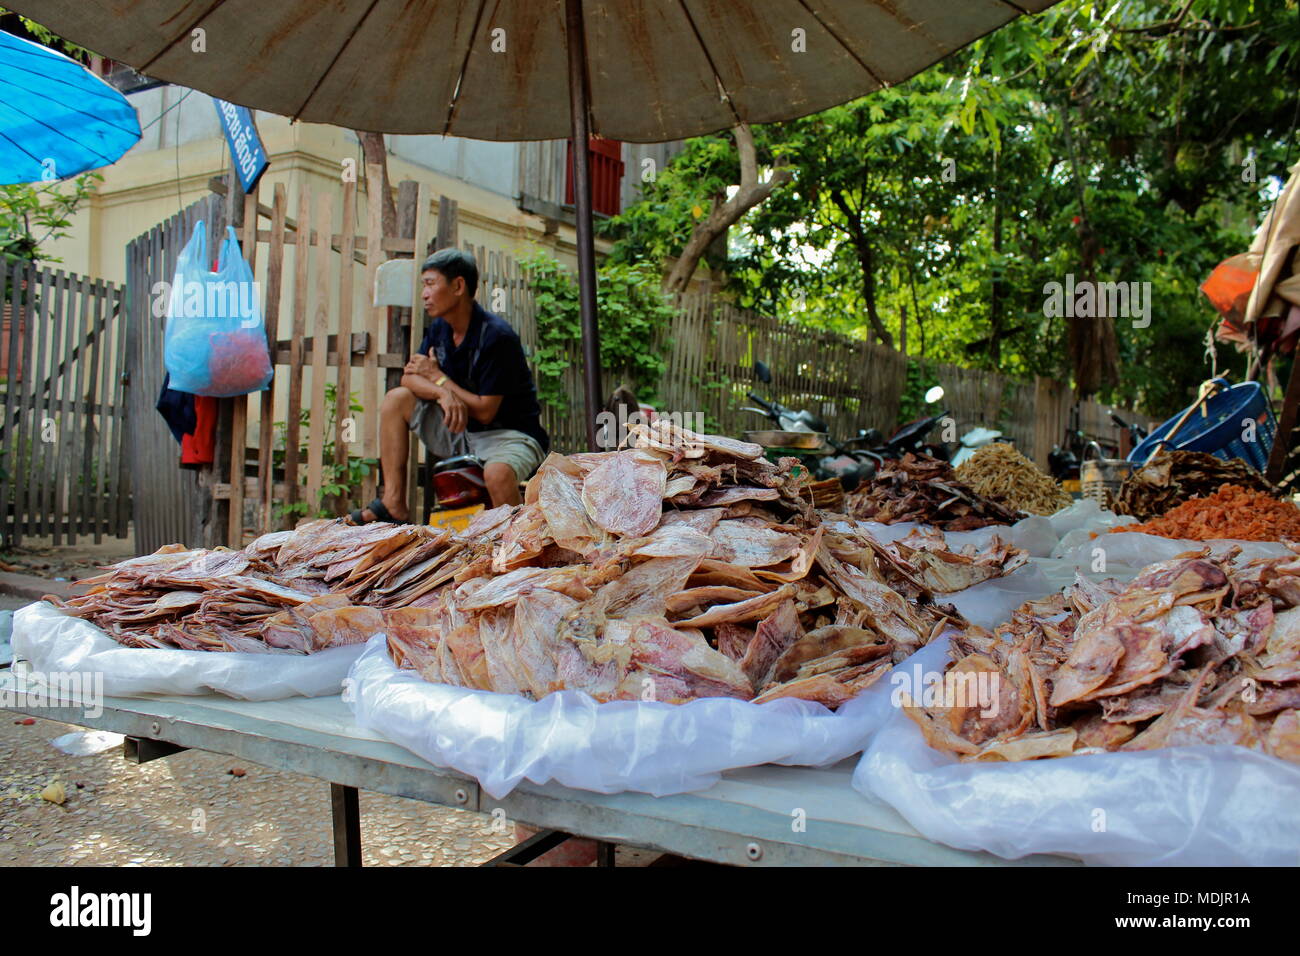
x,y
923,489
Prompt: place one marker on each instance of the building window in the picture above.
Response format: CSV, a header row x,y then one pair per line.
x,y
606,175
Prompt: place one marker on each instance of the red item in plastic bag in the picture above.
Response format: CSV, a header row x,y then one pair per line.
x,y
238,362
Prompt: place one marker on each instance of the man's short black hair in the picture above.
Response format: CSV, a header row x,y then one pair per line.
x,y
454,264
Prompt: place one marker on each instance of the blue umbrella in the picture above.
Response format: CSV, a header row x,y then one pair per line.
x,y
57,118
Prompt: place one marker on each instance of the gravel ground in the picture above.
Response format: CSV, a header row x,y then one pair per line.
x,y
40,557
188,809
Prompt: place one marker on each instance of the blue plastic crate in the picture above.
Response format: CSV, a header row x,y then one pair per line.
x,y
1221,429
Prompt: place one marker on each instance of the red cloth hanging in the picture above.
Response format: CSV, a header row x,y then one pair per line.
x,y
198,448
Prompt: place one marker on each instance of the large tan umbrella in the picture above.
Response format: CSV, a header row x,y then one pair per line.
x,y
636,70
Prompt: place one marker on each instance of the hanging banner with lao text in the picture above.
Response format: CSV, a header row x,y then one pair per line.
x,y
246,149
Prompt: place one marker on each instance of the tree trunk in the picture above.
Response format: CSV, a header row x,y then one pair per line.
x,y
725,215
867,259
1094,346
867,263
374,151
995,290
916,308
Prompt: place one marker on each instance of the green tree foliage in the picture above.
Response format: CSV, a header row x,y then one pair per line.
x,y
658,226
32,214
633,315
1138,141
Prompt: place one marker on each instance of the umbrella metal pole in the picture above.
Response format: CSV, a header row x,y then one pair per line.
x,y
577,45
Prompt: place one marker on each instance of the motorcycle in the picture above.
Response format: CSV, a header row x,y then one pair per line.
x,y
802,434
1135,431
912,436
459,492
851,463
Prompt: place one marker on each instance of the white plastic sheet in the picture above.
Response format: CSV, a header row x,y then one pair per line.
x,y
86,743
1124,553
647,746
1196,806
53,642
1040,536
990,603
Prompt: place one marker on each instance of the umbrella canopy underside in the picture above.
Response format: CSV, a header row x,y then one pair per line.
x,y
497,69
56,118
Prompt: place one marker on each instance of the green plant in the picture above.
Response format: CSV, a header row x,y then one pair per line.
x,y
920,379
338,480
34,213
46,37
633,317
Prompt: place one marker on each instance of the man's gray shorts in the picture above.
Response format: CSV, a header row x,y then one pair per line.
x,y
521,452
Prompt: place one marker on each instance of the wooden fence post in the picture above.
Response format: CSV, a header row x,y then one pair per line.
x,y
297,345
422,199
247,228
213,515
375,317
319,352
274,284
448,228
399,317
343,380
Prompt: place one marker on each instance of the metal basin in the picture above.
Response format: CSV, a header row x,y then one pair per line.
x,y
778,439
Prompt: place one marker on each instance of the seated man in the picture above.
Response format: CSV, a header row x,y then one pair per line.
x,y
468,392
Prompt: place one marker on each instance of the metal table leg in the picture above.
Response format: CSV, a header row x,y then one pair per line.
x,y
346,812
524,853
143,749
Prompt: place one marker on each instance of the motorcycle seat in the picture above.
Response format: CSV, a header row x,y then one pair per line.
x,y
457,461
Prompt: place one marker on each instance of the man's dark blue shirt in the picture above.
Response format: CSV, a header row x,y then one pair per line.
x,y
490,361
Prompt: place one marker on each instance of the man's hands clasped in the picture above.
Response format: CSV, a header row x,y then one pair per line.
x,y
454,411
426,366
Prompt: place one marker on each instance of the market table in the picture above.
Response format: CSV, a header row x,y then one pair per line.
x,y
750,817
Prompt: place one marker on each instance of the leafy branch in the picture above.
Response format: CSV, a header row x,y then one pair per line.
x,y
633,315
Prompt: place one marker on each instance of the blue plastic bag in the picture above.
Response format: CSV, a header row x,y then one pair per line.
x,y
216,338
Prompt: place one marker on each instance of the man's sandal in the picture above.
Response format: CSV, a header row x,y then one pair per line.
x,y
376,508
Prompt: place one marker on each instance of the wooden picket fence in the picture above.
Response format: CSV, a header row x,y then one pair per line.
x,y
276,449
171,505
62,346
